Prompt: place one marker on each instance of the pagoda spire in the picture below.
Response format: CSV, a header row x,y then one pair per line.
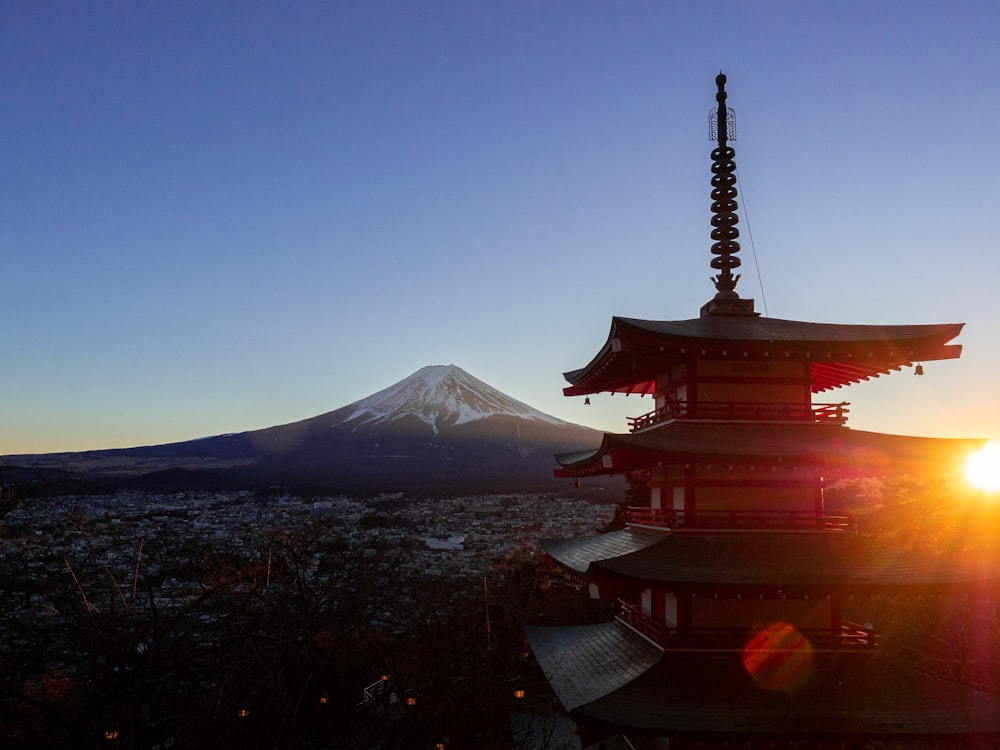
x,y
722,127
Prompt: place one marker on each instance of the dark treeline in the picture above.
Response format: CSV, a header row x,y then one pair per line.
x,y
272,643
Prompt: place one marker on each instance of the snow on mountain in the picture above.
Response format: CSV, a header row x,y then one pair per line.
x,y
440,396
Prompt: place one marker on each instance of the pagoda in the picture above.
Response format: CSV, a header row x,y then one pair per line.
x,y
731,578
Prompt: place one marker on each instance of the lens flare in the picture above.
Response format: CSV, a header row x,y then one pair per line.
x,y
778,658
982,470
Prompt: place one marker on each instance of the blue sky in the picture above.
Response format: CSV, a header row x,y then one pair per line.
x,y
222,216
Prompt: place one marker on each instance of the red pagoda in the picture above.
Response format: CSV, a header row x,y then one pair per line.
x,y
731,578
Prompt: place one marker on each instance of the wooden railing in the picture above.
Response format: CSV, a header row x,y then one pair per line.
x,y
851,635
742,411
657,632
736,519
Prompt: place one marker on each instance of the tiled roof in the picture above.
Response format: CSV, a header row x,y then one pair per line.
x,y
852,694
813,444
692,693
812,562
838,354
589,662
577,554
758,329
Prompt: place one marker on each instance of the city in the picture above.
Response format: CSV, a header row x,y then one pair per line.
x,y
166,611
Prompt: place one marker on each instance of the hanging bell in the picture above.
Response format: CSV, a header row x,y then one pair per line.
x,y
586,401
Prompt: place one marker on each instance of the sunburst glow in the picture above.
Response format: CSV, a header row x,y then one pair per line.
x,y
982,470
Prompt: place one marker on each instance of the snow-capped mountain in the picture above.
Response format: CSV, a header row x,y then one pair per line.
x,y
440,430
440,396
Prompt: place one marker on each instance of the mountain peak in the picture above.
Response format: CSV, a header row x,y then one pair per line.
x,y
440,396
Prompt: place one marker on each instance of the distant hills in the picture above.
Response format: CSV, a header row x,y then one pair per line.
x,y
438,431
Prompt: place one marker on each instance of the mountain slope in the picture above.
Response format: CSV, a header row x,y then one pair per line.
x,y
438,430
440,426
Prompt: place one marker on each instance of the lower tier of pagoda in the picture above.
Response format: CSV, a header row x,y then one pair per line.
x,y
615,681
741,636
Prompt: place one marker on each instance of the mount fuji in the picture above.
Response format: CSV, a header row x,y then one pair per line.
x,y
440,430
440,396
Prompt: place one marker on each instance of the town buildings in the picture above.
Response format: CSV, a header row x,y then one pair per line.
x,y
137,620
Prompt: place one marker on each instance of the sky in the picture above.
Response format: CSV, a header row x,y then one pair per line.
x,y
218,217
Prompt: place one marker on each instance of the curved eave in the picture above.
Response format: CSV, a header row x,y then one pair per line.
x,y
626,560
585,663
836,447
636,351
834,696
578,554
796,564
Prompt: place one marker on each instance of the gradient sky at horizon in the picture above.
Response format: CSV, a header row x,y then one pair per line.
x,y
217,217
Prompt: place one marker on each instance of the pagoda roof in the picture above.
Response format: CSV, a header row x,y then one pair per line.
x,y
578,554
636,351
826,445
604,657
603,673
792,562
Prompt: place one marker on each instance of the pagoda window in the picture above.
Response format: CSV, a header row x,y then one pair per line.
x,y
681,394
670,610
657,483
655,500
679,496
670,396
659,606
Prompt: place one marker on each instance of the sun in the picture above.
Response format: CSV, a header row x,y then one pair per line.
x,y
982,470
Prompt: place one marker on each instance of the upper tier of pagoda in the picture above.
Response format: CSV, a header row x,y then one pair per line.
x,y
636,351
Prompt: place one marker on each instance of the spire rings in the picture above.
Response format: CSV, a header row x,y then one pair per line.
x,y
724,250
725,216
724,206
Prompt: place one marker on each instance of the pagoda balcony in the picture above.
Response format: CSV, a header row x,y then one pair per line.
x,y
742,412
748,520
850,635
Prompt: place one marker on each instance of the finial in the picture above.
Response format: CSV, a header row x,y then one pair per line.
x,y
722,128
724,218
